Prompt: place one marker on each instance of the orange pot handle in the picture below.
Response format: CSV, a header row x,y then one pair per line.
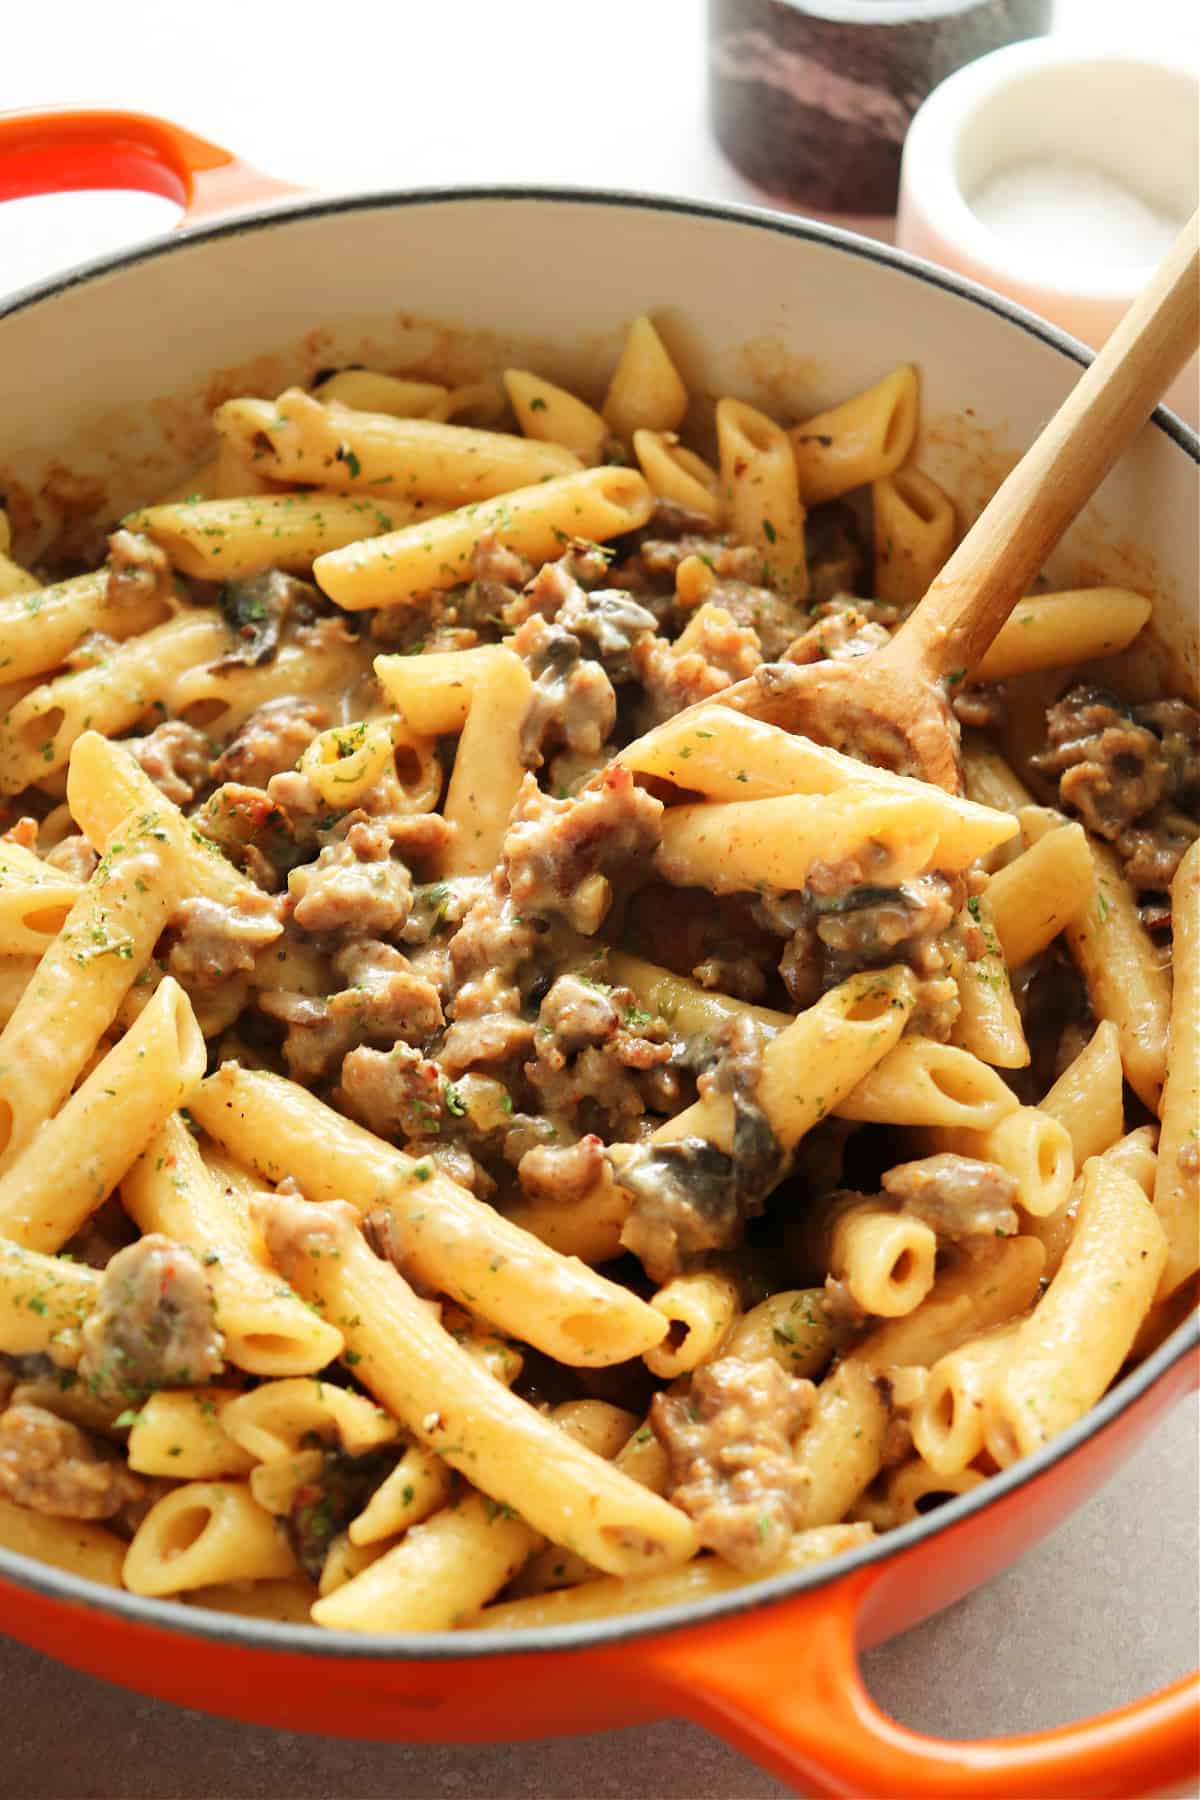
x,y
62,149
784,1686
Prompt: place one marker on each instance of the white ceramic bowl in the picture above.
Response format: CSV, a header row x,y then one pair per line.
x,y
1130,118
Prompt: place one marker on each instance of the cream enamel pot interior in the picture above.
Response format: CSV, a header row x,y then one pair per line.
x,y
108,377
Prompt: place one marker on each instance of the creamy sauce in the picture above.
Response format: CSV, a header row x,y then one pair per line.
x,y
1069,215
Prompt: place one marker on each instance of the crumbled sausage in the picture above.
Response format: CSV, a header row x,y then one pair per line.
x,y
138,569
560,855
176,757
730,1444
959,1196
1109,769
74,856
719,652
355,884
214,941
152,1325
273,739
385,1000
1152,851
51,1466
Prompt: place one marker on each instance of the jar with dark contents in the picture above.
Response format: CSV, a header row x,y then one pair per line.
x,y
810,99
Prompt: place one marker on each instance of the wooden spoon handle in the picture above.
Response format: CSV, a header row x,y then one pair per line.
x,y
991,569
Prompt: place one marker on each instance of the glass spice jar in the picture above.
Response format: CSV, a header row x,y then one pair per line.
x,y
811,99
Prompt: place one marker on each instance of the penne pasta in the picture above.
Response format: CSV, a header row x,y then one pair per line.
x,y
646,391
229,540
452,1241
1052,631
914,531
677,474
553,416
1177,1182
1125,979
596,504
760,498
1039,893
299,439
39,627
419,1373
859,442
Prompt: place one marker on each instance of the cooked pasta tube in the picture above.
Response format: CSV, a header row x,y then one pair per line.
x,y
707,1576
1057,631
78,1157
914,528
105,783
489,766
1177,1183
1031,1145
39,629
32,917
860,441
440,1572
947,1420
203,1533
504,1446
927,1083
343,1561
278,1485
22,867
37,735
1039,893
732,847
700,1309
792,1327
16,972
43,1302
434,691
418,1485
178,1432
75,1545
1066,1354
809,1068
535,521
988,1022
588,1226
554,416
424,1586
14,579
967,1299
990,779
285,1601
726,755
841,1450
299,439
1117,959
453,1243
1089,1096
345,762
646,391
267,1330
687,1007
220,699
279,1419
914,1489
884,1258
677,474
760,498
370,390
227,540
1132,1155
104,943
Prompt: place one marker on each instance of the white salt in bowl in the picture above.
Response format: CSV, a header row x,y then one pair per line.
x,y
1058,177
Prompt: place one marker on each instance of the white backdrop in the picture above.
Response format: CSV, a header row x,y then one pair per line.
x,y
392,94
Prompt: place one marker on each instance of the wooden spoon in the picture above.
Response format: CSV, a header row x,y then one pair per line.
x,y
893,706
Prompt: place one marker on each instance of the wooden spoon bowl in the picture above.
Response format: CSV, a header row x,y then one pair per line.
x,y
893,706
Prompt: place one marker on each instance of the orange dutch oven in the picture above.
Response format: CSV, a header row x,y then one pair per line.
x,y
109,372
